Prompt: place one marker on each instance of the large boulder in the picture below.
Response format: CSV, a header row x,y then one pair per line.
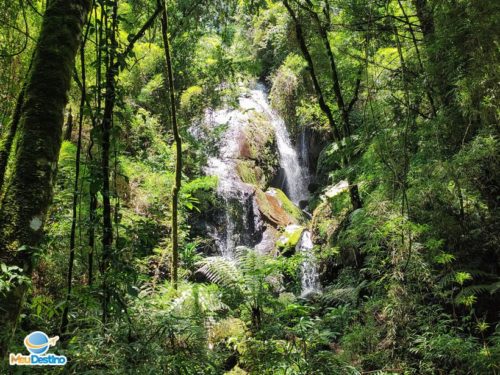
x,y
330,213
257,158
277,209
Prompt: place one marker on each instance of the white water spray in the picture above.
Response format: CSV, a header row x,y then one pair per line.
x,y
308,270
238,224
296,173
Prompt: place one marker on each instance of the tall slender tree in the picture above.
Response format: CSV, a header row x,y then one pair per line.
x,y
178,146
29,186
113,62
106,124
344,108
76,191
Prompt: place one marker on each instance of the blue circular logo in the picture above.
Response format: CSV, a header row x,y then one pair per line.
x,y
37,343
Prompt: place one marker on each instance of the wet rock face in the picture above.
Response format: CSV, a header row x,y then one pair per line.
x,y
277,209
257,155
238,224
253,148
313,142
245,162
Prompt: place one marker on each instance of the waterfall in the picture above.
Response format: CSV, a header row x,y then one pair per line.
x,y
296,173
241,223
308,270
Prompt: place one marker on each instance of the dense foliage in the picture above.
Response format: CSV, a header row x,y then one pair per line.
x,y
400,99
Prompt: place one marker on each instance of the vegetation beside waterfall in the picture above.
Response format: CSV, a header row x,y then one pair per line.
x,y
251,187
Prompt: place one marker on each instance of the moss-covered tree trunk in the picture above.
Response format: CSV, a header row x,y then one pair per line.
x,y
29,184
7,138
69,126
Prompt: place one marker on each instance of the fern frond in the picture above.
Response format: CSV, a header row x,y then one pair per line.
x,y
447,280
196,300
476,274
342,294
495,287
221,271
473,290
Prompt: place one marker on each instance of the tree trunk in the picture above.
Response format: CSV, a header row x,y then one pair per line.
x,y
337,90
93,189
335,76
76,192
8,133
178,146
354,191
107,123
310,66
425,17
29,188
113,62
8,137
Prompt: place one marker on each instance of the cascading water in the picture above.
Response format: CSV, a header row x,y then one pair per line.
x,y
296,173
296,182
308,270
242,223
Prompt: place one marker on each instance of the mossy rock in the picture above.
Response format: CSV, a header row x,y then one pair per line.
x,y
325,223
257,156
331,212
259,133
236,371
277,208
250,173
333,190
290,236
287,205
330,219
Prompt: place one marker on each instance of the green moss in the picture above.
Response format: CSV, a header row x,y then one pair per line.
x,y
263,202
288,205
278,209
29,187
290,236
249,173
260,148
325,222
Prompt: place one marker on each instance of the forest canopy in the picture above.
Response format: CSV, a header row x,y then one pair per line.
x,y
250,187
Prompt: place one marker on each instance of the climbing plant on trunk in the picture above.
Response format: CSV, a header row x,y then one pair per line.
x,y
114,63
